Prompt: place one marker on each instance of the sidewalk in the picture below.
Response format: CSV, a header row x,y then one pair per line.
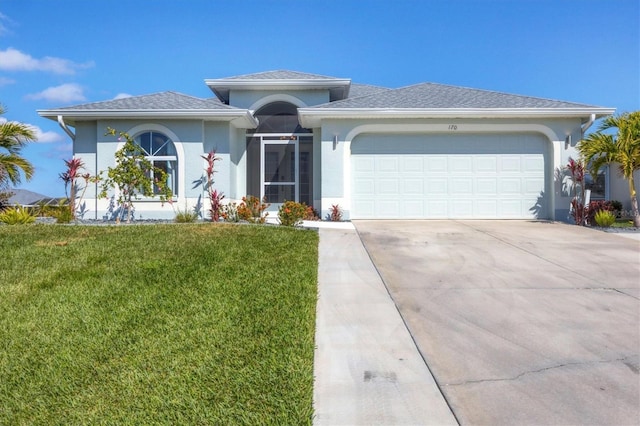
x,y
367,368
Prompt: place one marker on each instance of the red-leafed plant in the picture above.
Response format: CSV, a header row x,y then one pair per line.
x,y
215,197
72,178
578,208
335,213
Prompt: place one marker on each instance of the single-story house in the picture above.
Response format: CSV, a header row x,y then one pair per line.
x,y
422,151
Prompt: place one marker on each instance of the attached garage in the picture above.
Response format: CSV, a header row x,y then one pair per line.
x,y
444,176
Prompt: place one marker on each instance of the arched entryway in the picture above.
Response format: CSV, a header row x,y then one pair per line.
x,y
280,156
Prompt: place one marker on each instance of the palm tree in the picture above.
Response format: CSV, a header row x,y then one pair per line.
x,y
599,149
13,137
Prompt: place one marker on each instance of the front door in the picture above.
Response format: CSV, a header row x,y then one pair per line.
x,y
279,170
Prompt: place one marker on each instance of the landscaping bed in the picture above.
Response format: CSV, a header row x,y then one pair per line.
x,y
196,324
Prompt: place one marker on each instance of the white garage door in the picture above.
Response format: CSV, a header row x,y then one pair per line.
x,y
448,176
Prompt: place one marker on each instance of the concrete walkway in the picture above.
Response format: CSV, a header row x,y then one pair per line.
x,y
367,367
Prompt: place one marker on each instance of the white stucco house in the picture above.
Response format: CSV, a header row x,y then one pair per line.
x,y
422,151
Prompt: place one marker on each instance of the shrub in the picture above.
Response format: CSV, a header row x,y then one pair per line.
x,y
62,213
311,214
291,213
17,215
251,209
605,218
229,212
185,216
335,213
597,206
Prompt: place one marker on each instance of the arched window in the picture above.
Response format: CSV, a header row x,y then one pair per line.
x,y
278,117
159,149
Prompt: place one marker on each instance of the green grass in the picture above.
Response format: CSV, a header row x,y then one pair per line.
x,y
622,223
165,324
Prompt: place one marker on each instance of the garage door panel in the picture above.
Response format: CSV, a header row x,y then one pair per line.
x,y
510,164
460,176
413,187
436,163
485,164
437,186
411,165
486,186
460,164
486,208
387,186
461,186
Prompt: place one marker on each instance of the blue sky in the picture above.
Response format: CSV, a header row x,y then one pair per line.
x,y
67,52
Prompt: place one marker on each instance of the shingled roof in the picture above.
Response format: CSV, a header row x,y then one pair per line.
x,y
279,75
157,101
434,96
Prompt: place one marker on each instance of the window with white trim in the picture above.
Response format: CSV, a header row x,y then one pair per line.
x,y
161,152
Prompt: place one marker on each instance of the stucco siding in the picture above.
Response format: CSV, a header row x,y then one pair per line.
x,y
257,98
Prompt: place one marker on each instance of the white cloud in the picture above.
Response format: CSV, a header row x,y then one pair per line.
x,y
122,96
46,137
41,137
65,93
3,28
4,81
14,60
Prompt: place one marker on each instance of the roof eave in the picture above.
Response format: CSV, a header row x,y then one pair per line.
x,y
221,87
239,118
311,117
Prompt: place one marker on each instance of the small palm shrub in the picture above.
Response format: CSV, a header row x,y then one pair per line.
x,y
291,213
17,215
605,218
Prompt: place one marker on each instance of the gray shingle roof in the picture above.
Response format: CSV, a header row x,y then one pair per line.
x,y
358,90
434,96
156,101
279,75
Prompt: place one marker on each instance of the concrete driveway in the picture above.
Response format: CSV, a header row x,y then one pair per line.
x,y
520,322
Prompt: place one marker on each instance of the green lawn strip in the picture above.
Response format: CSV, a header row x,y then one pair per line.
x,y
157,324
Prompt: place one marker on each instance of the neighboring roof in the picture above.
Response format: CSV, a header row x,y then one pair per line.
x,y
164,104
438,100
280,80
25,197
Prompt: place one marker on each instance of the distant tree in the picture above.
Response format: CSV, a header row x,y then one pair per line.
x,y
134,176
600,149
13,137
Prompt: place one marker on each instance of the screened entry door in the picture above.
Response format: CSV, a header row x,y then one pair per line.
x,y
279,171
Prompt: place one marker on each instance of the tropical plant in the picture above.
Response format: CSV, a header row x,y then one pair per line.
x,y
578,207
13,137
134,176
605,218
17,215
72,178
335,213
600,148
215,197
291,213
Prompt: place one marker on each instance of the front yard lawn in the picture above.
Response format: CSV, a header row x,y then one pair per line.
x,y
172,324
